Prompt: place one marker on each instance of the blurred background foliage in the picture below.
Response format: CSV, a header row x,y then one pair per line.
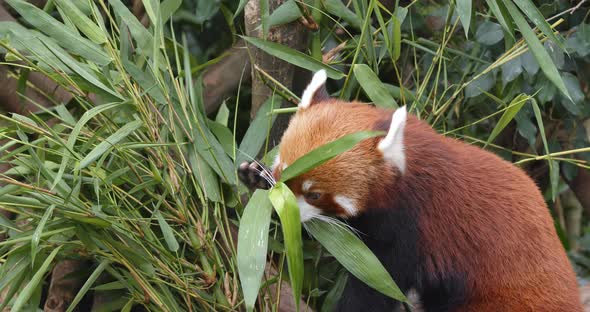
x,y
124,122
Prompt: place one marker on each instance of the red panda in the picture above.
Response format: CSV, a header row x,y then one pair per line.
x,y
466,229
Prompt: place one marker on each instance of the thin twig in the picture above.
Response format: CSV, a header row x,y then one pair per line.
x,y
570,11
35,188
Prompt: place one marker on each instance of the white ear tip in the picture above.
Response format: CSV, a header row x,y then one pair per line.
x,y
392,145
401,112
321,75
318,80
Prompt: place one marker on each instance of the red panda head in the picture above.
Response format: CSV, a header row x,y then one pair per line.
x,y
343,185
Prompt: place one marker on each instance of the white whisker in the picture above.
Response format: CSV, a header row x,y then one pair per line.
x,y
265,170
336,222
264,175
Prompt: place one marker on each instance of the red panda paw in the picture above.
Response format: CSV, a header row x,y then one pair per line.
x,y
254,175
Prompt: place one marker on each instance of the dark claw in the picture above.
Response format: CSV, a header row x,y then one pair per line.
x,y
249,174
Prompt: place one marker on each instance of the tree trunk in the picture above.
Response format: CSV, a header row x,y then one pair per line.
x,y
292,35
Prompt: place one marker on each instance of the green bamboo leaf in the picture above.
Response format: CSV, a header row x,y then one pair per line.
x,y
146,81
167,231
489,33
285,13
286,207
151,7
58,31
135,27
88,115
355,256
533,13
35,281
535,46
500,14
85,6
384,31
223,135
113,139
264,13
257,131
29,42
167,8
252,245
464,9
293,56
376,91
24,119
204,175
552,170
511,111
110,286
397,37
39,230
326,152
80,69
90,220
572,83
331,300
241,6
89,282
13,269
64,115
82,22
142,36
338,8
554,177
222,116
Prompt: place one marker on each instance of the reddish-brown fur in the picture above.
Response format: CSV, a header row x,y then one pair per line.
x,y
484,215
321,124
496,216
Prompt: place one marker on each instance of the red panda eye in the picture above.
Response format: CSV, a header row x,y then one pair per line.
x,y
313,196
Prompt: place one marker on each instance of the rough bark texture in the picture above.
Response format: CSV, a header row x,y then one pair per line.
x,y
221,80
292,35
64,285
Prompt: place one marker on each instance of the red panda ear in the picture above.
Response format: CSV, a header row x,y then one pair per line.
x,y
315,91
392,146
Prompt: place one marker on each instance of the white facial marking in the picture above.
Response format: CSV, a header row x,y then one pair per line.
x,y
277,161
306,211
392,146
306,185
347,204
318,80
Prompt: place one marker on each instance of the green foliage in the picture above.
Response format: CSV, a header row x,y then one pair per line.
x,y
286,207
133,177
252,245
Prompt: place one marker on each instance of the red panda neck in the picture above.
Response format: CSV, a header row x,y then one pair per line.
x,y
430,164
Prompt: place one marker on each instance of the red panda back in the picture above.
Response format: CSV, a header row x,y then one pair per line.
x,y
468,230
488,217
